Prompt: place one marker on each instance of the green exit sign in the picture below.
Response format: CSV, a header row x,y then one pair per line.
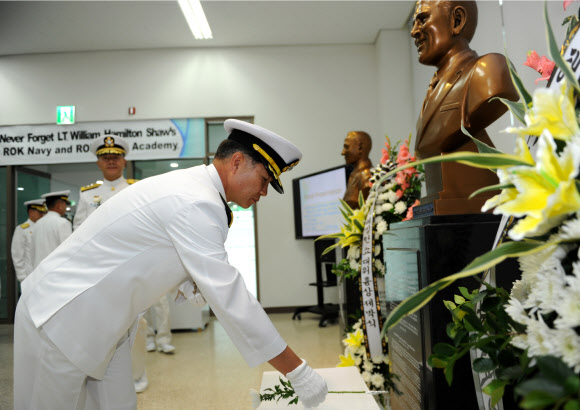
x,y
65,114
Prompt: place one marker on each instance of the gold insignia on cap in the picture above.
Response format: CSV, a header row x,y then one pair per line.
x,y
109,142
292,165
274,167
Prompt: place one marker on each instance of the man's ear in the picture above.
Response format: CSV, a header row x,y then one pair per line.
x,y
458,18
235,161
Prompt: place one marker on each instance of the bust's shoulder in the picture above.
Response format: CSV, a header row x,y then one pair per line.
x,y
492,63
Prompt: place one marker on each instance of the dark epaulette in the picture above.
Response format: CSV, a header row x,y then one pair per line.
x,y
25,225
132,181
92,186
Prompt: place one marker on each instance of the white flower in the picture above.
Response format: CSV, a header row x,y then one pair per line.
x,y
353,252
392,197
368,366
357,360
379,265
255,396
569,306
378,219
357,325
366,377
540,338
548,289
378,380
516,311
383,197
400,207
379,359
570,229
387,207
568,347
377,250
520,290
520,341
353,264
381,227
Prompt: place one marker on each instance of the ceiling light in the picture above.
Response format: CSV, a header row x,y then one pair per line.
x,y
20,188
174,165
195,18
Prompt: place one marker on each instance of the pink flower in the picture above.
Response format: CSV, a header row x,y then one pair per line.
x,y
410,210
542,65
385,156
401,178
567,3
404,155
399,193
410,171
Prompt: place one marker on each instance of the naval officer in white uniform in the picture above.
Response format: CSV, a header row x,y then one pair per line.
x,y
21,248
110,151
73,320
50,231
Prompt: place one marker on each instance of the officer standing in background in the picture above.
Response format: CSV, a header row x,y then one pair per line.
x,y
110,151
51,230
21,248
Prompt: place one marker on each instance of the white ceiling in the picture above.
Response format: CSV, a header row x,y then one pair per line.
x,y
68,26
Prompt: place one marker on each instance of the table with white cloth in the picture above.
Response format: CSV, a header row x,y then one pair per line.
x,y
338,379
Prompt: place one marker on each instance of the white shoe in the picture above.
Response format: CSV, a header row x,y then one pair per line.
x,y
166,348
141,384
150,346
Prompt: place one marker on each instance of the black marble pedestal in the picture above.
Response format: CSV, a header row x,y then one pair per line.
x,y
418,253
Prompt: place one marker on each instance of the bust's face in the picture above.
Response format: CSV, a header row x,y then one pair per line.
x,y
351,149
432,32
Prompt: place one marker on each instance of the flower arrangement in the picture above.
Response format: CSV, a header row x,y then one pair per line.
x,y
531,336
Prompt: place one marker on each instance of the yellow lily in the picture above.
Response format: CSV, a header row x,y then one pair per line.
x,y
551,110
346,361
543,194
354,339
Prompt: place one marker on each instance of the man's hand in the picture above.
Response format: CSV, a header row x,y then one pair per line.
x,y
308,385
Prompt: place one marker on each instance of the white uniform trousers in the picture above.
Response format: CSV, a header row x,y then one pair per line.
x,y
46,379
158,320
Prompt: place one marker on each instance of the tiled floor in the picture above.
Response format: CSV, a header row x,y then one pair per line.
x,y
207,372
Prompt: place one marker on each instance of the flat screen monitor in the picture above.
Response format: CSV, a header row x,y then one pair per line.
x,y
316,202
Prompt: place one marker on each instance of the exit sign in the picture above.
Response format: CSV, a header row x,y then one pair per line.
x,y
65,114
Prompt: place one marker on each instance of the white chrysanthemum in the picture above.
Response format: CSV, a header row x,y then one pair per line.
x,y
381,227
386,360
392,197
378,219
569,306
520,290
357,325
549,288
570,229
516,311
353,252
386,207
390,185
567,344
377,250
255,397
378,380
368,366
540,338
379,265
378,360
353,263
529,264
520,341
400,207
366,377
383,197
371,196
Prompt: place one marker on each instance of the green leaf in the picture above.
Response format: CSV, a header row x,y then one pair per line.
x,y
491,188
463,290
572,385
518,109
490,303
572,405
444,349
483,364
449,305
331,247
495,390
359,225
554,51
524,94
361,199
537,400
541,384
437,361
479,297
459,299
472,319
482,147
449,371
554,369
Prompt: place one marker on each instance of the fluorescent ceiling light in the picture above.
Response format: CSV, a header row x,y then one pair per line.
x,y
195,18
174,165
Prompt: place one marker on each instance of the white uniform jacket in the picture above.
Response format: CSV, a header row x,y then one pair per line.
x,y
21,250
136,247
49,232
93,196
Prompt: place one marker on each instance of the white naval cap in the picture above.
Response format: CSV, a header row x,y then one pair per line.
x,y
278,154
58,194
109,144
37,204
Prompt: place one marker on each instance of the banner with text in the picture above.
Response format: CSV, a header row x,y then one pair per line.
x,y
151,139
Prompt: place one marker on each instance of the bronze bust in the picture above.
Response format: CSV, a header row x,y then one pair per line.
x,y
356,149
460,92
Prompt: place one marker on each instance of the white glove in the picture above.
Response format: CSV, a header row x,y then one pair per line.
x,y
308,385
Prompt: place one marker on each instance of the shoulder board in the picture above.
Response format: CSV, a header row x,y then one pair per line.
x,y
92,186
132,181
25,225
